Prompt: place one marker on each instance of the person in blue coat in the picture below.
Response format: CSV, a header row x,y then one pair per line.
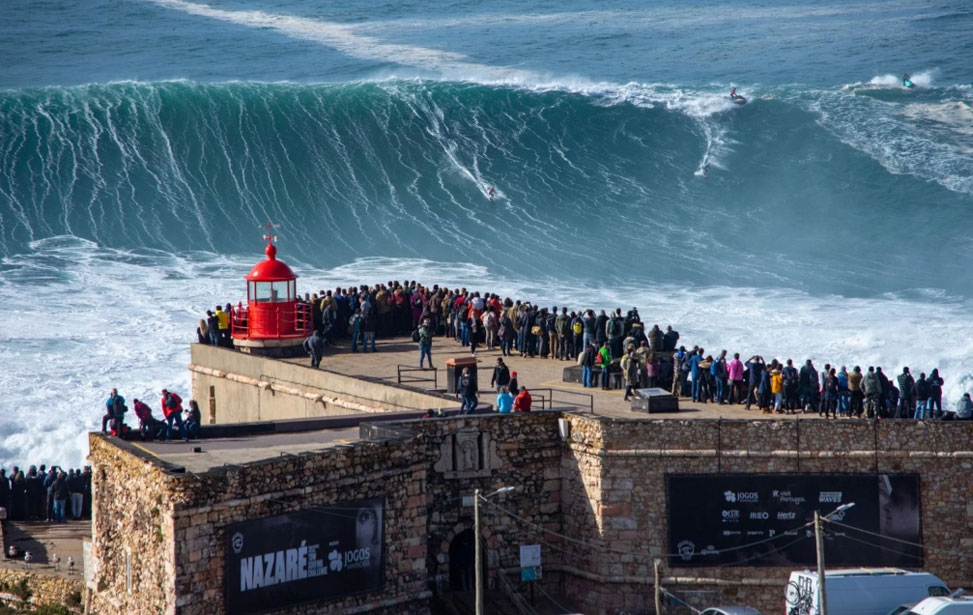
x,y
505,401
694,362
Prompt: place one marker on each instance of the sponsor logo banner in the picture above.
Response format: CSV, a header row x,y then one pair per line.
x,y
756,519
323,553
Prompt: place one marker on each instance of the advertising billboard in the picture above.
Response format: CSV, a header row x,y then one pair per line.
x,y
323,553
763,519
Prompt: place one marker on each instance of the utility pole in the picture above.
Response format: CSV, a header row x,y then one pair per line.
x,y
478,570
477,547
819,548
658,587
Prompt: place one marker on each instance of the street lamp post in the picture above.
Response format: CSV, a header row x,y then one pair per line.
x,y
819,548
477,548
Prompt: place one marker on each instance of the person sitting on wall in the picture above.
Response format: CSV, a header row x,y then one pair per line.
x,y
115,409
522,402
963,412
505,401
193,420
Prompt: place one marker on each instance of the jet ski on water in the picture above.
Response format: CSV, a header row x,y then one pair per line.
x,y
907,81
736,98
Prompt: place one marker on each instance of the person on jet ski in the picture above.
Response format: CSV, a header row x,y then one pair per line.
x,y
906,80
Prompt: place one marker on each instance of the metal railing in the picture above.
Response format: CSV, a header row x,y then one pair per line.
x,y
272,320
405,376
547,401
520,603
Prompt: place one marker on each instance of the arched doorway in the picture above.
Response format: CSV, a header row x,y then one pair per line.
x,y
462,560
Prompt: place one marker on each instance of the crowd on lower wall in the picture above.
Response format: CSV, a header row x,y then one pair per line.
x,y
186,422
46,494
603,343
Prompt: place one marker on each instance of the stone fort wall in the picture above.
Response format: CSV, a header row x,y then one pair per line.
x,y
604,489
614,483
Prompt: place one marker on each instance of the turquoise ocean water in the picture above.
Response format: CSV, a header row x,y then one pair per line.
x,y
143,142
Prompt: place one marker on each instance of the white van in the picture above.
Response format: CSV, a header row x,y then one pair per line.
x,y
860,591
961,605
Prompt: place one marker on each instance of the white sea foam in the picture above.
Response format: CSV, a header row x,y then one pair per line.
x,y
888,81
900,137
80,319
954,115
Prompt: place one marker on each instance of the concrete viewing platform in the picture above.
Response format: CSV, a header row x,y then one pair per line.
x,y
202,455
542,377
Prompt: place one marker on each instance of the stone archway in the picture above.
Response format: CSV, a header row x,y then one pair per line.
x,y
461,561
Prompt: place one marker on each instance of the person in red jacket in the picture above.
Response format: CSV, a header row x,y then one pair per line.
x,y
146,422
172,409
522,401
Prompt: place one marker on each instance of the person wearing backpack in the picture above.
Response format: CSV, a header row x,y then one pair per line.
x,y
369,323
604,360
589,325
423,335
587,360
907,390
577,334
506,334
490,327
172,409
354,327
615,329
114,412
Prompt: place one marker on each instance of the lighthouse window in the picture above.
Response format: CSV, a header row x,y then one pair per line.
x,y
263,293
270,292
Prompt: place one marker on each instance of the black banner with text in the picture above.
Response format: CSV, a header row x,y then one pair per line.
x,y
757,519
324,553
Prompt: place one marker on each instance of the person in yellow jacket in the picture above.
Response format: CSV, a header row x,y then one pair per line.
x,y
777,389
604,361
223,318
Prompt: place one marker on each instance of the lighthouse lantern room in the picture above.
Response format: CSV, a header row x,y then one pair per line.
x,y
274,321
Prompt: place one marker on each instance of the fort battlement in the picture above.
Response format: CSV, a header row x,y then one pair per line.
x,y
595,492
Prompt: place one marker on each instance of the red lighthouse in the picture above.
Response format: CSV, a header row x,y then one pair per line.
x,y
275,322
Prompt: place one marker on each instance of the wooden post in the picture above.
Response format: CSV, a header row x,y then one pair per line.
x,y
212,405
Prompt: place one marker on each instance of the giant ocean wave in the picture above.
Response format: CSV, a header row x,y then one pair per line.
x,y
664,176
807,223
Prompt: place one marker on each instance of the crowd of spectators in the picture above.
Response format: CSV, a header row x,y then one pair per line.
x,y
606,343
46,494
